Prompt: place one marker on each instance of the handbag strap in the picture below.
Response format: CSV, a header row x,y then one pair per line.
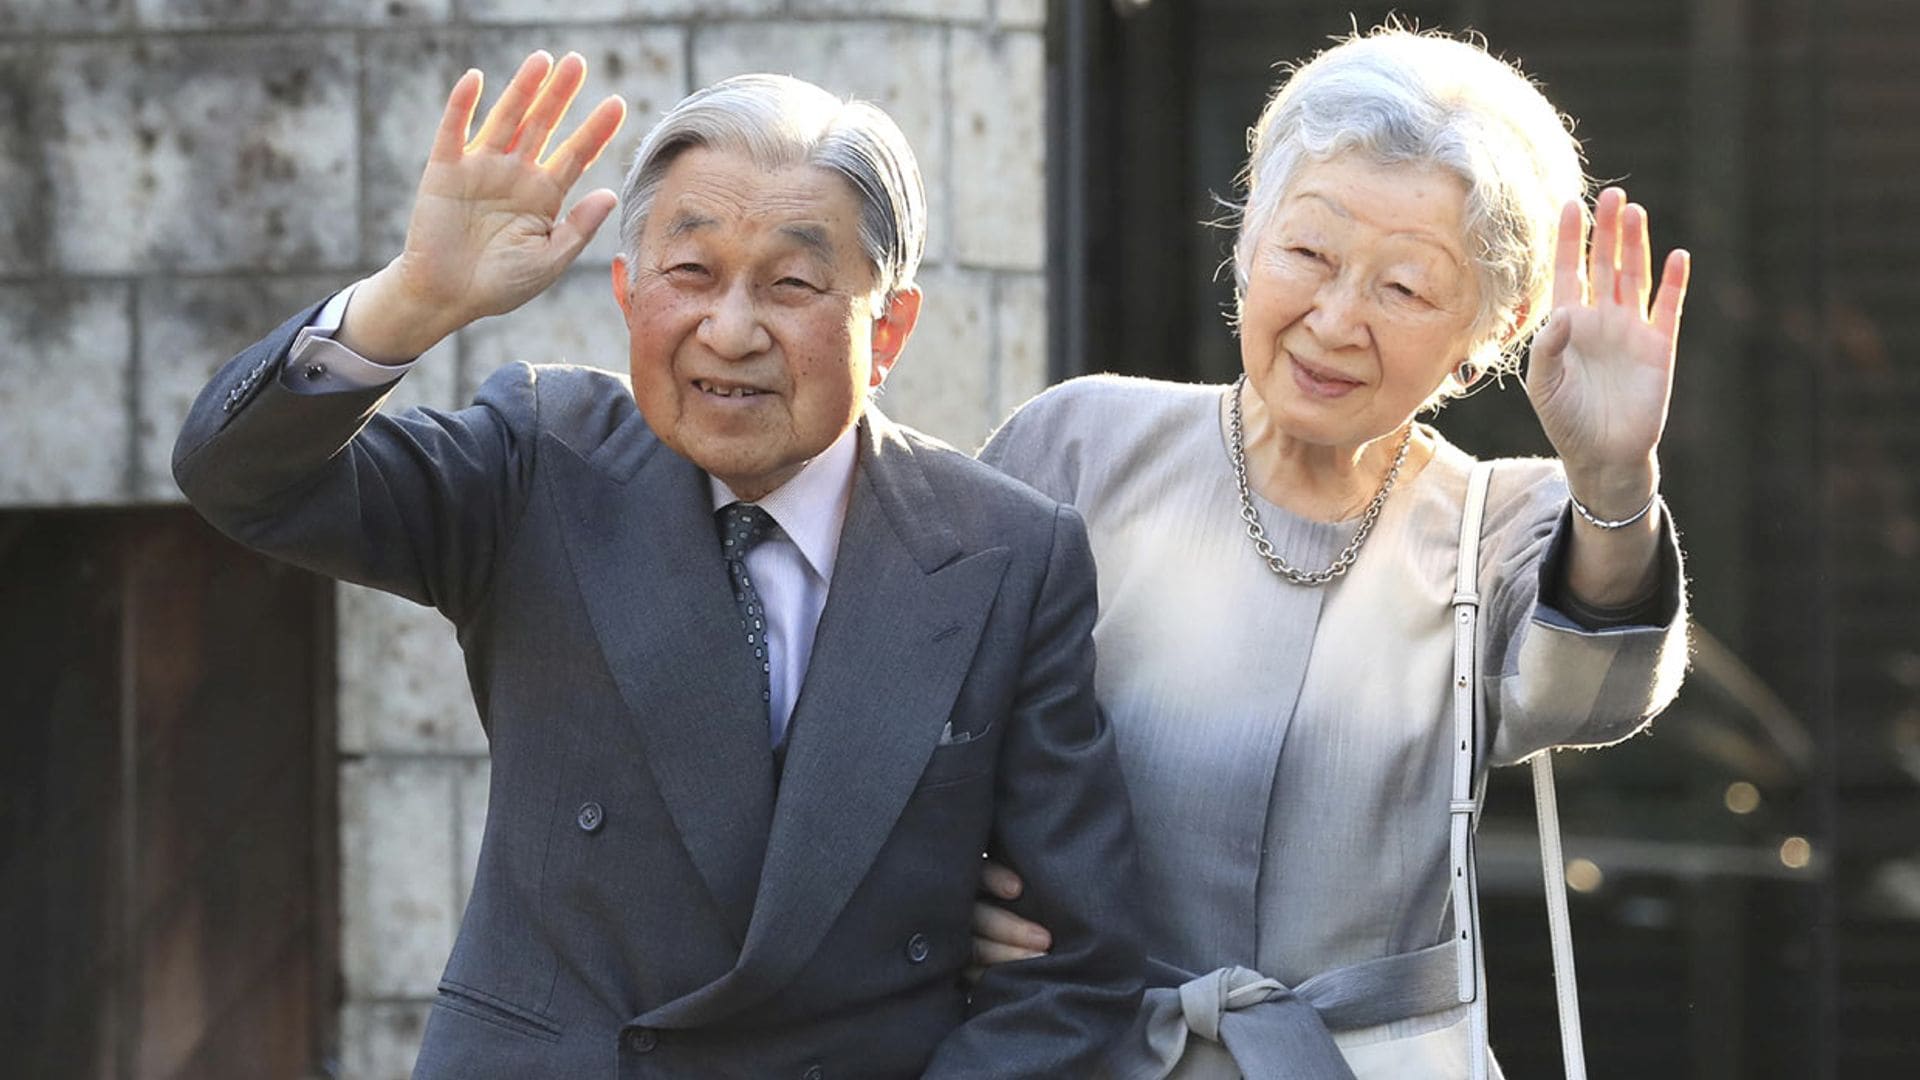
x,y
1464,810
1553,869
1463,807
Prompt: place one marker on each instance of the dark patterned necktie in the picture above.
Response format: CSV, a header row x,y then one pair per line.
x,y
743,525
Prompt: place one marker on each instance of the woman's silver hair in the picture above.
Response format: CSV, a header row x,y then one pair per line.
x,y
1401,97
778,121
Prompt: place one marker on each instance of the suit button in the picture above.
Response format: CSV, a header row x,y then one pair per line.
x,y
918,949
590,817
642,1040
315,372
814,1072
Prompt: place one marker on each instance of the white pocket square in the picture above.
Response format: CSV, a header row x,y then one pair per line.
x,y
950,737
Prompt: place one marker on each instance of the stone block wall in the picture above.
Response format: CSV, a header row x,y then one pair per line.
x,y
179,175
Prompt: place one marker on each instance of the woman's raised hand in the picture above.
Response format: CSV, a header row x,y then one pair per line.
x,y
1601,369
487,233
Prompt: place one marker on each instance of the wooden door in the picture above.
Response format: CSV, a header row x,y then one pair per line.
x,y
166,784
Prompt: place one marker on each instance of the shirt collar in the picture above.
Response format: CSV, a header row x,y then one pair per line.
x,y
811,507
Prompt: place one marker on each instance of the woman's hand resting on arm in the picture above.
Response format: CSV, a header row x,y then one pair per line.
x,y
998,934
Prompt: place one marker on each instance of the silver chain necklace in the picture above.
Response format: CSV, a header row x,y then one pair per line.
x,y
1258,535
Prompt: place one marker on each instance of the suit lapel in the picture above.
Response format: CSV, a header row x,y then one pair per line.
x,y
640,534
901,626
898,635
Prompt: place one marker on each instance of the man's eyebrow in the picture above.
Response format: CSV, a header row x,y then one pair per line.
x,y
812,237
687,223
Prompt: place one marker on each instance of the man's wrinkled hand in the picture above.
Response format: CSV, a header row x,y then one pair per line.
x,y
487,232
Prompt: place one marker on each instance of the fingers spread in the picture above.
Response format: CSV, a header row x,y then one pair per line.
x,y
1673,294
1636,265
582,148
1569,262
503,120
1603,260
572,233
451,138
549,105
1543,359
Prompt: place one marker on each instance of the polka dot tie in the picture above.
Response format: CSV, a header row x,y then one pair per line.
x,y
742,525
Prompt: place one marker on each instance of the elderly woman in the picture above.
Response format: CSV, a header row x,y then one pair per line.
x,y
1277,556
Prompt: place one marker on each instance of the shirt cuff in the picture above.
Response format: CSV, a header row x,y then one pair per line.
x,y
317,364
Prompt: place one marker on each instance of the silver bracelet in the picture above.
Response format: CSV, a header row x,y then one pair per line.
x,y
1623,522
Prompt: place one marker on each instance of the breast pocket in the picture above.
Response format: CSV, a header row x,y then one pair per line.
x,y
959,762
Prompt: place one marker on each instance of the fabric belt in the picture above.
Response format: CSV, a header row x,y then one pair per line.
x,y
1274,1030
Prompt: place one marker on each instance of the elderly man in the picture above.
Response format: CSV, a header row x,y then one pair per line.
x,y
763,674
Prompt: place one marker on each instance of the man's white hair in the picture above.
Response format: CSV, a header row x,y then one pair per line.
x,y
779,121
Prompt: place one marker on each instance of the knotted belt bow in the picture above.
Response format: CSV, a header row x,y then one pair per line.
x,y
1273,1030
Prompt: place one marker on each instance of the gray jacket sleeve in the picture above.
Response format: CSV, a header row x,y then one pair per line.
x,y
1550,681
418,504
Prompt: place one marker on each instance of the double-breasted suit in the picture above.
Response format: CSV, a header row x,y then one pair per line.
x,y
655,897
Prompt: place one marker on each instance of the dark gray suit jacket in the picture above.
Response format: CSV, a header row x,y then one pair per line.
x,y
650,901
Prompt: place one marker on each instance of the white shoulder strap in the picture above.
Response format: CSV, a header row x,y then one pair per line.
x,y
1464,808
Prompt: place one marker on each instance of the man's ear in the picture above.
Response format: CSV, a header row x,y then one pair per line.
x,y
621,283
891,328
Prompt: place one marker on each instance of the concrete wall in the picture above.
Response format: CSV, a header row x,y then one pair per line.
x,y
178,175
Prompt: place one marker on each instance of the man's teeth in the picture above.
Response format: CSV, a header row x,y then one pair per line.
x,y
737,391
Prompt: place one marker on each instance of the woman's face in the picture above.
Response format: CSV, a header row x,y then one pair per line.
x,y
1359,299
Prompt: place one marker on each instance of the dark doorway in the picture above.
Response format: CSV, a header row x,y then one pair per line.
x,y
1776,139
166,787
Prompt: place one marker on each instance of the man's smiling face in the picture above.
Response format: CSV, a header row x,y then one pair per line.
x,y
750,311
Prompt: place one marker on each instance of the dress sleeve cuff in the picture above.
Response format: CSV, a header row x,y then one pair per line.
x,y
1558,607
